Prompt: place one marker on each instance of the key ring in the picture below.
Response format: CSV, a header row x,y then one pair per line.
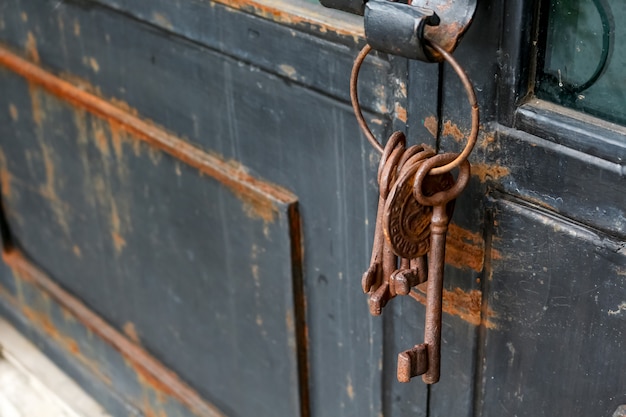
x,y
471,95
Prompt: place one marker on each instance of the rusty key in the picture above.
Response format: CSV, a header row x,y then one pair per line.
x,y
406,223
389,261
392,169
372,281
436,256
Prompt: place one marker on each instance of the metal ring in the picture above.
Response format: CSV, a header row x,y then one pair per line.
x,y
471,95
442,197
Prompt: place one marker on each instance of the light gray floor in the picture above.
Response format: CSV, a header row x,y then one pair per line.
x,y
32,386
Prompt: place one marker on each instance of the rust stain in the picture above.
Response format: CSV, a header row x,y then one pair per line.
x,y
131,332
149,411
464,249
496,255
13,112
31,48
35,100
259,197
81,83
49,188
124,106
151,381
116,140
76,28
116,234
77,252
486,172
5,176
24,17
42,320
149,371
431,124
102,142
486,140
401,113
450,129
465,305
162,20
350,389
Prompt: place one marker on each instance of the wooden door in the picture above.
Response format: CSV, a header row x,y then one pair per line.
x,y
189,206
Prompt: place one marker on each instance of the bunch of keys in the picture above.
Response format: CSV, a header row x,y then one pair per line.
x,y
417,192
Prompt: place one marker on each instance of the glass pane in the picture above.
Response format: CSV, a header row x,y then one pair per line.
x,y
585,57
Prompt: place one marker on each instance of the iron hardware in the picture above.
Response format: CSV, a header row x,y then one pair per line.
x,y
398,28
416,200
404,27
350,6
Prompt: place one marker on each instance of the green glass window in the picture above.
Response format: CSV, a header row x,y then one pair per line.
x,y
584,57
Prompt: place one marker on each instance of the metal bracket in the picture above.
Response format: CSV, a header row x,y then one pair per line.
x,y
350,6
400,27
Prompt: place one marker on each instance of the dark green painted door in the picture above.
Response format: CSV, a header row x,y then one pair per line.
x,y
189,206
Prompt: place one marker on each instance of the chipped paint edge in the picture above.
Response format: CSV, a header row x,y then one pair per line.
x,y
263,197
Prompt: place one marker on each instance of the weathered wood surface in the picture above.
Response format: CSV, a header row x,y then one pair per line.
x,y
290,135
186,263
559,292
250,84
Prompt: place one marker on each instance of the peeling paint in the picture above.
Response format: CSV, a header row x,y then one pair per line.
x,y
59,208
486,140
465,305
131,332
101,140
94,64
486,172
260,198
401,113
450,129
288,70
620,311
162,20
116,234
464,249
151,375
5,176
350,388
13,112
47,326
432,125
31,48
402,89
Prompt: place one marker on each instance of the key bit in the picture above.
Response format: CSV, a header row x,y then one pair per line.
x,y
378,299
412,362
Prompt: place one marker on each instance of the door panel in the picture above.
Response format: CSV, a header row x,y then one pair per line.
x,y
156,246
269,126
559,291
252,299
